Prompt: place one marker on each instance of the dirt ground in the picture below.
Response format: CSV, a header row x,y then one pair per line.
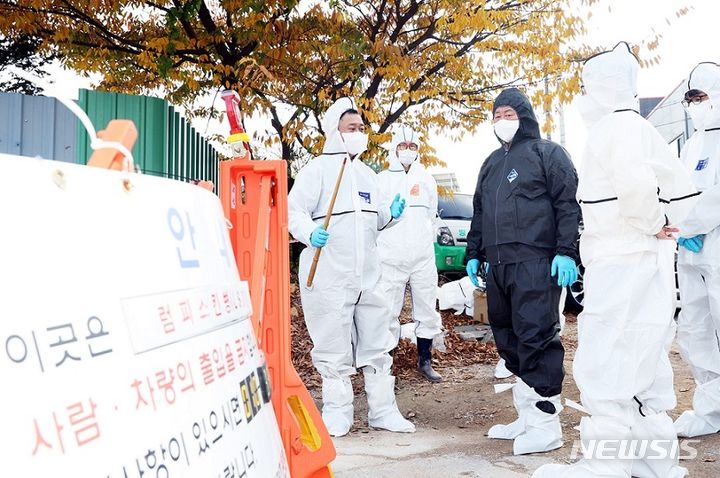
x,y
453,417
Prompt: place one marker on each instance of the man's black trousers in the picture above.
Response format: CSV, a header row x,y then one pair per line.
x,y
523,309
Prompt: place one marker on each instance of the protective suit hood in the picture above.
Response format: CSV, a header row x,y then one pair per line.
x,y
401,135
706,77
517,100
610,79
331,120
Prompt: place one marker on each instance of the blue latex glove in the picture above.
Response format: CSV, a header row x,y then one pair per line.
x,y
397,207
692,244
472,268
319,237
565,269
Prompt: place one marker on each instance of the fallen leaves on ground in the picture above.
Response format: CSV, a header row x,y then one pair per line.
x,y
459,353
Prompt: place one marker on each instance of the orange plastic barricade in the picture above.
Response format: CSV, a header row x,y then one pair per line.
x,y
254,197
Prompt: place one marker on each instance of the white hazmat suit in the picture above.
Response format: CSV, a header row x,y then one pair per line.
x,y
407,253
345,311
699,273
630,186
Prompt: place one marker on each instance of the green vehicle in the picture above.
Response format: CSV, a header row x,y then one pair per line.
x,y
452,225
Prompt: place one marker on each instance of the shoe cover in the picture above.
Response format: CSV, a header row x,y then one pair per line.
x,y
382,408
705,418
659,427
543,431
593,429
337,410
501,370
522,400
689,425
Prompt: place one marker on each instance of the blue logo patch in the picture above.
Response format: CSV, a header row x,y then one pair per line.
x,y
702,164
365,196
512,176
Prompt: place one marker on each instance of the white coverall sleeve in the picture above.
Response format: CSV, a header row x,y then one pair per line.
x,y
302,202
705,216
635,182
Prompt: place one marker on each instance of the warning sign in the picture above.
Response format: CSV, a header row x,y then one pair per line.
x,y
126,347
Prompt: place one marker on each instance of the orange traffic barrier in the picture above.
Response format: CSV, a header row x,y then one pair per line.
x,y
254,197
204,184
121,131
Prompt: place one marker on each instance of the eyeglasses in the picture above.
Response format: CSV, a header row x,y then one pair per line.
x,y
696,100
404,146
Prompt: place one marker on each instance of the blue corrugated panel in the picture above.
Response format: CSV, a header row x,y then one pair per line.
x,y
37,126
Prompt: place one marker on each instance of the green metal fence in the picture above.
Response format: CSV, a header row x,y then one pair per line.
x,y
167,144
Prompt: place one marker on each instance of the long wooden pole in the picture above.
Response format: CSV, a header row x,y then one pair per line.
x,y
326,223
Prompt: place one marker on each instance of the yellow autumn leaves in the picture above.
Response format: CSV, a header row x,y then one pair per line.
x,y
435,65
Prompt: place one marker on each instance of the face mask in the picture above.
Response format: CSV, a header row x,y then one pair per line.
x,y
355,143
506,129
590,110
407,157
700,113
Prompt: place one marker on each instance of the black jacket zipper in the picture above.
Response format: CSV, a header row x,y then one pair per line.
x,y
497,194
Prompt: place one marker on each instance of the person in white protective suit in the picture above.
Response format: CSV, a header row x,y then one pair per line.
x,y
345,311
407,253
699,255
631,188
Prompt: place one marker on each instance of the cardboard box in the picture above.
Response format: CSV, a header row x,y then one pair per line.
x,y
480,309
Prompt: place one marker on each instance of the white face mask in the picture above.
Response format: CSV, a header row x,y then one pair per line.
x,y
700,113
407,157
590,110
355,143
506,129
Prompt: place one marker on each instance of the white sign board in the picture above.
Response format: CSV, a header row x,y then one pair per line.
x,y
126,348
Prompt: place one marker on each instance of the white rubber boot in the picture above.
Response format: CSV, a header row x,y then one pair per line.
x,y
657,427
501,371
542,429
337,410
382,408
522,400
593,430
705,418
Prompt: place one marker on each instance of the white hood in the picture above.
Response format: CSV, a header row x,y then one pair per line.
x,y
400,135
333,142
706,77
610,78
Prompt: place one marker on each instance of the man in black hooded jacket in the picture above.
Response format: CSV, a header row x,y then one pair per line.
x,y
524,232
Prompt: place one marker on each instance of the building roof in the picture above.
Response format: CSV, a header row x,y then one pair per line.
x,y
648,104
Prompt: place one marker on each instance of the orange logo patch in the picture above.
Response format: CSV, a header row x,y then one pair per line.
x,y
415,191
